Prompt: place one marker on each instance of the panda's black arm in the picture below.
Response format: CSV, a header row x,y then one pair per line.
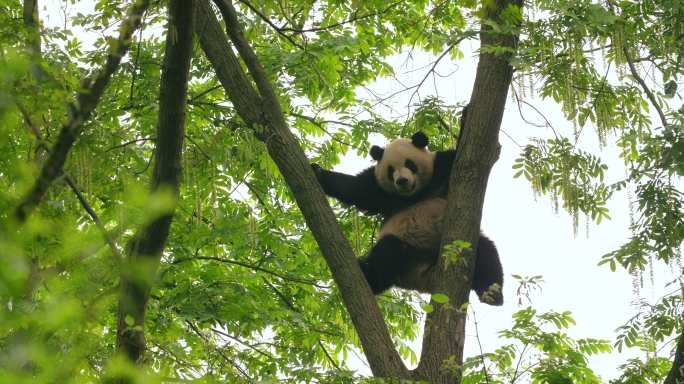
x,y
444,160
361,191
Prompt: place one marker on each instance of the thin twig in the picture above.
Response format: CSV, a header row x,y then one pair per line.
x,y
451,46
127,143
202,151
294,309
341,23
253,267
517,365
235,365
201,94
248,345
136,63
84,203
271,24
321,125
479,344
642,83
540,113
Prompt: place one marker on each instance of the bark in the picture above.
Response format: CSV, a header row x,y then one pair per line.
x,y
31,22
86,101
260,109
478,149
676,374
145,249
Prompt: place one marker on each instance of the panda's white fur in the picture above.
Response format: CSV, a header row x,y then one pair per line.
x,y
419,225
394,155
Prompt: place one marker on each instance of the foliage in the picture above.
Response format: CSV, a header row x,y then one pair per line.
x,y
540,352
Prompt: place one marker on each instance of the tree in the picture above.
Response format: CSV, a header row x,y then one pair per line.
x,y
239,292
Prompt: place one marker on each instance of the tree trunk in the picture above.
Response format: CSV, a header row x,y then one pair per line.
x,y
145,249
31,22
676,374
478,149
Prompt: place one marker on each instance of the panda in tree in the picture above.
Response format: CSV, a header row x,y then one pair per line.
x,y
408,187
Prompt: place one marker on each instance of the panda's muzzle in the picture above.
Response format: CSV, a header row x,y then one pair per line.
x,y
404,182
404,186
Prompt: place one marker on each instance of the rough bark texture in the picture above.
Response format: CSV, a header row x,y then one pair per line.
x,y
261,110
145,249
676,374
86,101
31,22
478,149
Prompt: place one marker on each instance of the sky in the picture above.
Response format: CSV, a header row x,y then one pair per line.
x,y
531,237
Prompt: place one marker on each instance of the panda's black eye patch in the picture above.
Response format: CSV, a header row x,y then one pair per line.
x,y
411,165
390,172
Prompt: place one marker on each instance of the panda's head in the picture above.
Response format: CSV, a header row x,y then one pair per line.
x,y
404,166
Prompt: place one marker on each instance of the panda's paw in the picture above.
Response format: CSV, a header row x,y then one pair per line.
x,y
316,168
492,295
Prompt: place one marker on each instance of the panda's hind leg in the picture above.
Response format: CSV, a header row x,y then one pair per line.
x,y
488,276
390,259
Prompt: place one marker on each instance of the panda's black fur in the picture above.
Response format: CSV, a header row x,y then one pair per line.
x,y
408,188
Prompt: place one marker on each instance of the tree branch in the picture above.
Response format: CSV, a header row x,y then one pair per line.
x,y
145,249
86,101
642,83
91,212
32,24
291,306
433,68
271,24
218,349
254,268
676,374
263,113
478,149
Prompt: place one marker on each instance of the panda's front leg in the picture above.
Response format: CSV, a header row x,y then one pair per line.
x,y
389,260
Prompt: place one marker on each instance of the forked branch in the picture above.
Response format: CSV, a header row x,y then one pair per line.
x,y
261,110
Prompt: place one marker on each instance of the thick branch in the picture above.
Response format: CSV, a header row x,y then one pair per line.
x,y
478,149
32,24
146,247
262,111
676,374
86,101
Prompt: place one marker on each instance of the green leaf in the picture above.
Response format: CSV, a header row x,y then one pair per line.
x,y
440,298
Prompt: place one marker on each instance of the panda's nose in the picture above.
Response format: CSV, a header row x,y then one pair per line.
x,y
402,182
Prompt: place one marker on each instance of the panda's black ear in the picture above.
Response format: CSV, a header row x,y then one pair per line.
x,y
376,152
419,139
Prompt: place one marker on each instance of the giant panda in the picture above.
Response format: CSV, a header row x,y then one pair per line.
x,y
408,187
